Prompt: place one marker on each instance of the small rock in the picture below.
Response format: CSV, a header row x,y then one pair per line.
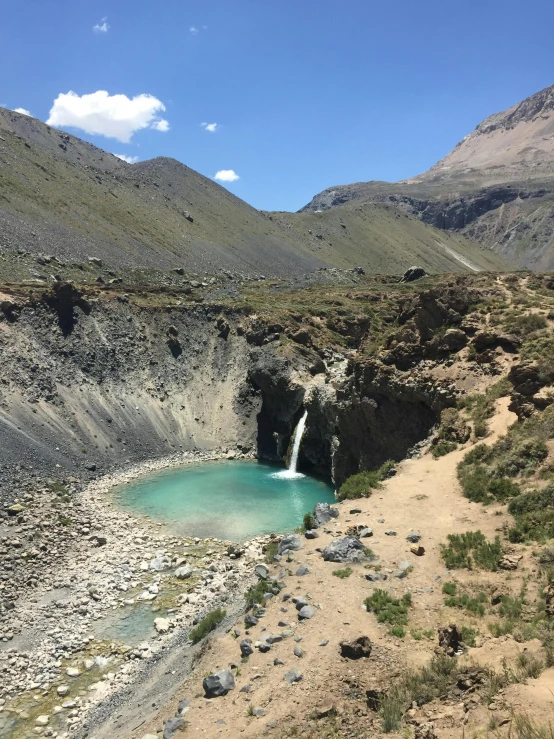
x,y
311,534
323,642
305,612
246,647
293,676
62,690
72,672
365,533
352,511
42,720
418,550
298,652
413,537
261,571
258,712
390,532
302,570
184,572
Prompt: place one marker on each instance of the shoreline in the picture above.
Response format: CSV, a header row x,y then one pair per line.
x,y
112,560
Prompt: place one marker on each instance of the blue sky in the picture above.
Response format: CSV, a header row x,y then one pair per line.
x,y
305,93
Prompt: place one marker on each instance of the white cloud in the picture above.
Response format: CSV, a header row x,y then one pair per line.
x,y
193,29
23,111
211,127
161,125
125,158
113,116
101,27
226,175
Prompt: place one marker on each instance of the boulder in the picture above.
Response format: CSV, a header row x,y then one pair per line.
x,y
355,649
289,543
161,625
184,572
413,273
172,726
323,513
218,684
261,571
349,549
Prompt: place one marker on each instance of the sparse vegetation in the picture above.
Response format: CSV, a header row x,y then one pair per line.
x,y
255,594
389,610
471,549
449,588
472,604
362,484
271,550
344,573
207,624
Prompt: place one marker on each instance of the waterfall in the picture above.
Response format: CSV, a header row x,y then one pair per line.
x,y
291,473
296,444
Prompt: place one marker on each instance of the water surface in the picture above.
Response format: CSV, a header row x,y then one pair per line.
x,y
233,500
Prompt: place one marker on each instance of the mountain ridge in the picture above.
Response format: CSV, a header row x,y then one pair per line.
x,y
62,196
496,186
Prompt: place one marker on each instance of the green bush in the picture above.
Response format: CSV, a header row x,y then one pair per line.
x,y
468,636
443,447
361,484
255,594
465,601
472,547
449,588
207,624
534,514
342,574
387,609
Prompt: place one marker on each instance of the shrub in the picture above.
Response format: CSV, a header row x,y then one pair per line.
x,y
468,636
207,624
308,522
346,572
361,484
534,514
391,711
449,588
443,447
387,609
255,594
271,550
471,547
465,601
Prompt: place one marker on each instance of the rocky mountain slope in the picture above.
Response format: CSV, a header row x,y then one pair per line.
x,y
496,186
63,197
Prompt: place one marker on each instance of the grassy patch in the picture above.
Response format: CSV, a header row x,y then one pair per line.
x,y
449,588
393,611
469,636
363,483
343,574
270,551
474,605
207,624
471,549
534,514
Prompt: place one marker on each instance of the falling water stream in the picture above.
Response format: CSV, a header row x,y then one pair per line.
x,y
291,473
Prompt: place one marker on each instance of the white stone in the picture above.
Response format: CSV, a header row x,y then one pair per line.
x,y
62,690
42,720
161,625
72,672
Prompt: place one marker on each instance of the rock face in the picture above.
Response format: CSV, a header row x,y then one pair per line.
x,y
356,649
349,549
218,684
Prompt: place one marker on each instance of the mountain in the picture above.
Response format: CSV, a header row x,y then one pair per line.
x,y
64,197
496,186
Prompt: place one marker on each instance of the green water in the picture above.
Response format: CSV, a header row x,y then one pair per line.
x,y
229,500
